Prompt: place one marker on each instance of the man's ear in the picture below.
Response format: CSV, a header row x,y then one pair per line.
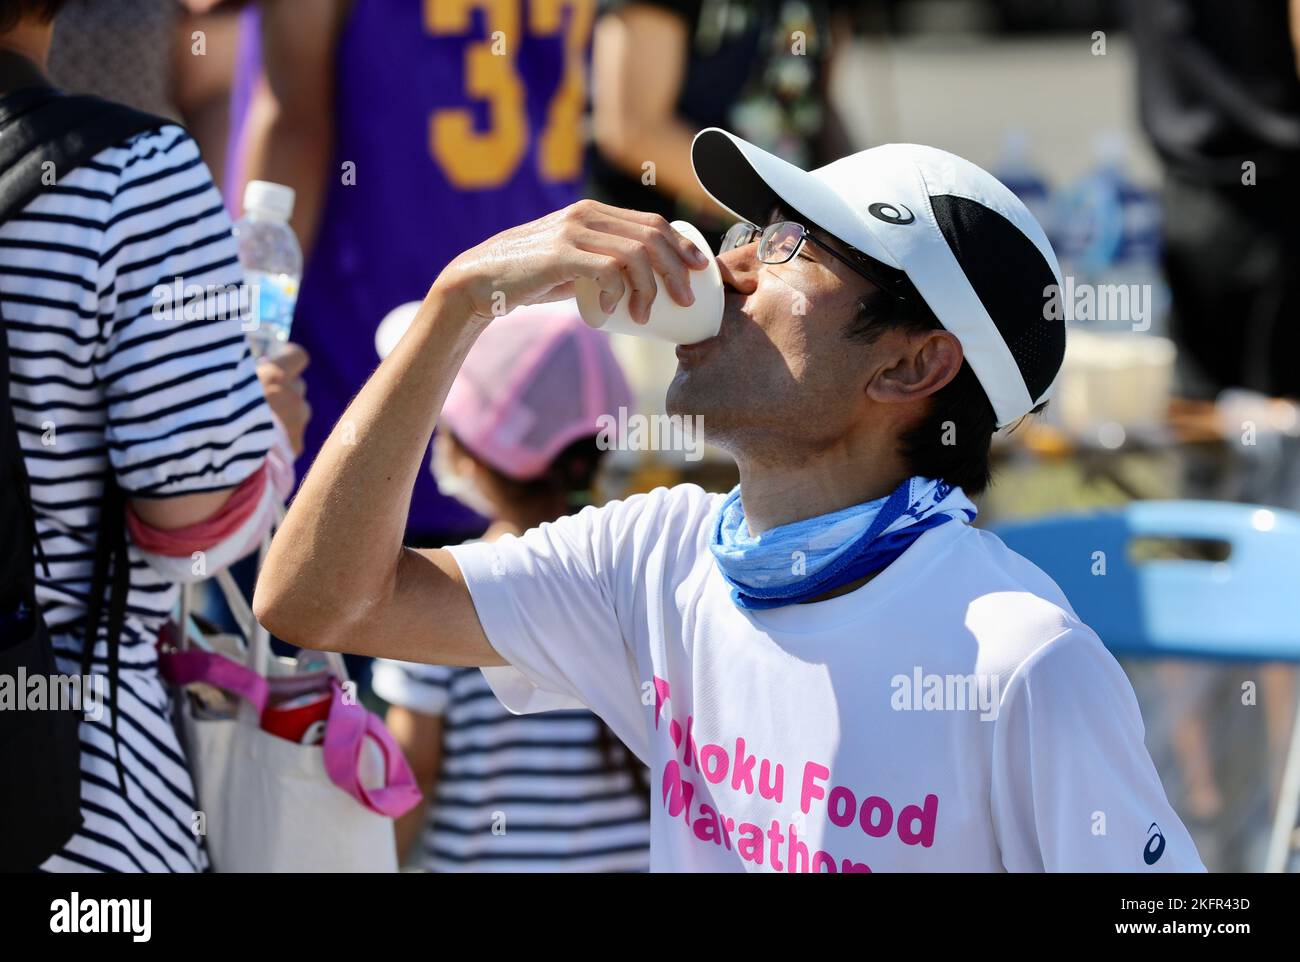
x,y
914,365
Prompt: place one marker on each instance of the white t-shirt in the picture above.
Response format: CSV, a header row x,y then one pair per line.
x,y
952,714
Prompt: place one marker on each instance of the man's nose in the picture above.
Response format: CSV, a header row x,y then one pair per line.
x,y
739,269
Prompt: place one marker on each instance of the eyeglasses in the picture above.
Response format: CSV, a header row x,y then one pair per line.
x,y
780,242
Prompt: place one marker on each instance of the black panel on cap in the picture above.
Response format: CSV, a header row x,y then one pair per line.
x,y
1009,275
727,175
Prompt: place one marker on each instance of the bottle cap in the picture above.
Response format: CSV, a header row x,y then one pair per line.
x,y
270,199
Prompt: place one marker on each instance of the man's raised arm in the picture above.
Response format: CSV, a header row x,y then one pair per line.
x,y
337,576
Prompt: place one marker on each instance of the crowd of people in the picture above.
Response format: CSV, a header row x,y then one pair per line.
x,y
664,633
370,113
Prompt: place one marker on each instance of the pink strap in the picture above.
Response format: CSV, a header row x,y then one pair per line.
x,y
185,667
348,727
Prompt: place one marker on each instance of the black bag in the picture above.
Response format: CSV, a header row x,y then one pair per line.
x,y
40,754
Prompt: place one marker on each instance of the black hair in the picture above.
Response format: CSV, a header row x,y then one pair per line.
x,y
12,12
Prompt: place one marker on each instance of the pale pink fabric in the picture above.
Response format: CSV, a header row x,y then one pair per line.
x,y
535,381
179,542
232,533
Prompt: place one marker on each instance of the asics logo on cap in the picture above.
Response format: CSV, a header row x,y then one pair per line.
x,y
890,213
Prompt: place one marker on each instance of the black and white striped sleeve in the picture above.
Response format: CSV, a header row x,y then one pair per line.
x,y
185,410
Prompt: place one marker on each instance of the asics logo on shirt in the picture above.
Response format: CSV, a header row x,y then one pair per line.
x,y
1155,845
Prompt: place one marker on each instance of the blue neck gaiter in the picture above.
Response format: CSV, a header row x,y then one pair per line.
x,y
796,562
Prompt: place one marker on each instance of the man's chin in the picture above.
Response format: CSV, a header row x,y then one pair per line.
x,y
681,398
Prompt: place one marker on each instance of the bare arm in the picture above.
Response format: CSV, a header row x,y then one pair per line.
x,y
835,139
420,738
168,514
290,123
201,84
638,68
1294,8
337,576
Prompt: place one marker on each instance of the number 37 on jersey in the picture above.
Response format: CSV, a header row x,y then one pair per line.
x,y
497,68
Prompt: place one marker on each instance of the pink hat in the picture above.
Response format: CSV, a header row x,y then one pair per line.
x,y
536,380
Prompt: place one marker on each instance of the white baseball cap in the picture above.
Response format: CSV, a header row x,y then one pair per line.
x,y
967,244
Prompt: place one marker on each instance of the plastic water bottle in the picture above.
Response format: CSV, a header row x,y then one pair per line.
x,y
1109,237
1091,217
1016,170
272,260
1137,261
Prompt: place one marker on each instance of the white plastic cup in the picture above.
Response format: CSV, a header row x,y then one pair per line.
x,y
668,321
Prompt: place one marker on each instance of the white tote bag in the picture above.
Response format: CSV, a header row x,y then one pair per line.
x,y
268,804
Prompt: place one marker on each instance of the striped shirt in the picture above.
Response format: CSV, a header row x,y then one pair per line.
x,y
520,793
103,372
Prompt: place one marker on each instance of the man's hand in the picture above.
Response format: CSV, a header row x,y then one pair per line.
x,y
539,261
286,392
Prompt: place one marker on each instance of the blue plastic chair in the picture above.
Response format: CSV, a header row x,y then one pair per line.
x,y
1244,608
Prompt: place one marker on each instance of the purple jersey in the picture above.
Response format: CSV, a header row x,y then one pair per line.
x,y
454,120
